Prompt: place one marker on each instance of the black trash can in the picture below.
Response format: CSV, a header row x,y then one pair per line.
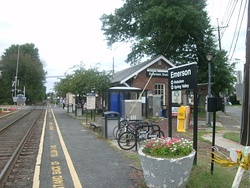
x,y
78,110
69,108
111,119
164,110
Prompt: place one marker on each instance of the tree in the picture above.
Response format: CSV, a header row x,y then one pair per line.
x,y
82,81
179,30
29,70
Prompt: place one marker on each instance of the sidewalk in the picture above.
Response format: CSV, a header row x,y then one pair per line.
x,y
222,142
230,125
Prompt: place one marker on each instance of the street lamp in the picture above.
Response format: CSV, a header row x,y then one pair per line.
x,y
209,57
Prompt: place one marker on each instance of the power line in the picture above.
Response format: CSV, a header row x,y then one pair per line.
x,y
237,31
228,14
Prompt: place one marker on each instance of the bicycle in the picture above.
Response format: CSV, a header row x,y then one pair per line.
x,y
129,139
125,125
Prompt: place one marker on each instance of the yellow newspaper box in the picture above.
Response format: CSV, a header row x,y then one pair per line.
x,y
181,117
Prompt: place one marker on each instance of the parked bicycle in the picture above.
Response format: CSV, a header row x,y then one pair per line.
x,y
129,139
126,125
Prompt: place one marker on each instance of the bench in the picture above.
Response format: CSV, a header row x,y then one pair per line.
x,y
94,125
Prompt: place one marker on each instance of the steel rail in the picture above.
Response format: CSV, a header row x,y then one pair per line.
x,y
7,169
14,121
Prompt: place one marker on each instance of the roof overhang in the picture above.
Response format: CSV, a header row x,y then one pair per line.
x,y
125,89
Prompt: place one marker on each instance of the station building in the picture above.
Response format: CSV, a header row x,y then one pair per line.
x,y
142,89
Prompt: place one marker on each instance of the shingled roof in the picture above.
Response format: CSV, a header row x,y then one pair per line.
x,y
122,76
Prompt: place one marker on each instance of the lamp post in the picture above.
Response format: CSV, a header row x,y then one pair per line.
x,y
209,57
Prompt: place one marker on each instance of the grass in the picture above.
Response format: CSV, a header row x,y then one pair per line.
x,y
201,175
201,172
222,177
232,136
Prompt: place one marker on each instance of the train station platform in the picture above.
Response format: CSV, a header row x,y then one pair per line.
x,y
73,156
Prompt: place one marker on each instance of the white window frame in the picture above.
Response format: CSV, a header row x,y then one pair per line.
x,y
160,91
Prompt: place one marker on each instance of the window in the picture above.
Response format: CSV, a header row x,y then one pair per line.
x,y
160,90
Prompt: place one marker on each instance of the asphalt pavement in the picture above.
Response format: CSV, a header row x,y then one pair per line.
x,y
74,157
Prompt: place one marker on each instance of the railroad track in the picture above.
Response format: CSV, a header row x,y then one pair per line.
x,y
19,140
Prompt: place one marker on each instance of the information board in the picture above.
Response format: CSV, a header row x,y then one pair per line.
x,y
91,101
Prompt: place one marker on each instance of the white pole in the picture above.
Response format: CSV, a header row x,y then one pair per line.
x,y
16,70
142,92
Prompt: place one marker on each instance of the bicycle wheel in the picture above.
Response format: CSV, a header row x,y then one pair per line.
x,y
129,127
115,130
158,133
119,132
126,140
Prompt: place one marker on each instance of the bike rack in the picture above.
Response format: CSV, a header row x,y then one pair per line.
x,y
143,126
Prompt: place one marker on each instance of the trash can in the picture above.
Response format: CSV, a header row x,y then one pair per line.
x,y
111,119
164,111
78,110
69,108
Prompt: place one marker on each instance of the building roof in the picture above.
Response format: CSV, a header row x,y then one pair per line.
x,y
122,76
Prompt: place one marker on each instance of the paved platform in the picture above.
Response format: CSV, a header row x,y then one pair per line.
x,y
72,156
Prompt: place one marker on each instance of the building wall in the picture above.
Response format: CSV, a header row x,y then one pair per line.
x,y
141,79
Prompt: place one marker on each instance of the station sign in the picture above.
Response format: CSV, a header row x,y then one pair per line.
x,y
182,77
157,73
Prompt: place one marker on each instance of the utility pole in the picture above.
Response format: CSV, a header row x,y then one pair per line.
x,y
245,124
219,38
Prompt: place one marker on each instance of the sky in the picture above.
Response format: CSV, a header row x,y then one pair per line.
x,y
219,11
69,32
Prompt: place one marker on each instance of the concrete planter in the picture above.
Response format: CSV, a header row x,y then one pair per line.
x,y
162,172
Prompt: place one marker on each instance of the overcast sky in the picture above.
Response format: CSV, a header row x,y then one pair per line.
x,y
69,32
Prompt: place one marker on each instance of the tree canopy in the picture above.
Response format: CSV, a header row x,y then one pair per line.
x,y
24,62
179,30
81,81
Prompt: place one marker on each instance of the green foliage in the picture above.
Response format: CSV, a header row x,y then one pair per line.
x,y
222,74
179,30
175,29
83,81
29,70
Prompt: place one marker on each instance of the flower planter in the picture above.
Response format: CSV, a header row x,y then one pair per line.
x,y
163,172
